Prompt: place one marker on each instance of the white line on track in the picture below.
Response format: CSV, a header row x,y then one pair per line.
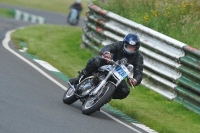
x,y
120,122
5,43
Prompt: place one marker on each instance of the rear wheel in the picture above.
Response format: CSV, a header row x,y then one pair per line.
x,y
69,96
94,103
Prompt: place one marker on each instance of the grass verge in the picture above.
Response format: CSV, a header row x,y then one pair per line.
x,y
60,46
6,13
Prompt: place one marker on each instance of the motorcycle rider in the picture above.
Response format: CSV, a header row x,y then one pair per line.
x,y
78,6
129,49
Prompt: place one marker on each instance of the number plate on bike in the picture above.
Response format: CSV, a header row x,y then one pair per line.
x,y
121,72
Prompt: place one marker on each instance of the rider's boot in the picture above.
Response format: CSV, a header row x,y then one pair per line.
x,y
74,81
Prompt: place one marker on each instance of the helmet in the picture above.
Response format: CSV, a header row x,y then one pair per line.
x,y
131,40
78,1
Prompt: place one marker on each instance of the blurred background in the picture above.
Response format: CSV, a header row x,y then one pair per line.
x,y
60,6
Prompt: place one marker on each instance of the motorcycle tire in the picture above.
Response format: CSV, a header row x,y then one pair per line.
x,y
69,96
90,105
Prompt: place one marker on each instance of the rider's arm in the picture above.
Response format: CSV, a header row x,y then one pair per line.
x,y
138,69
112,48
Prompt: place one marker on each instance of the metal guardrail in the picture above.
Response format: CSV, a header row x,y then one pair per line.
x,y
171,67
24,16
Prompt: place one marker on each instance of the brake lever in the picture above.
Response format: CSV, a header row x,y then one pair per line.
x,y
131,84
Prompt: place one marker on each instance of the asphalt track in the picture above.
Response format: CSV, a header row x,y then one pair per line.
x,y
31,102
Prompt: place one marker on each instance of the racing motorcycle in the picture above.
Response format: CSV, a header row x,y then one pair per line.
x,y
97,89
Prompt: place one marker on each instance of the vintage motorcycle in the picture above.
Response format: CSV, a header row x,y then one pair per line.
x,y
96,90
72,19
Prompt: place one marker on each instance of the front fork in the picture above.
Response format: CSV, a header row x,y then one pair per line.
x,y
103,82
72,86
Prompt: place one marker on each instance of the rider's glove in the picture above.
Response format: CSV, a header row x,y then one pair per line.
x,y
132,82
107,55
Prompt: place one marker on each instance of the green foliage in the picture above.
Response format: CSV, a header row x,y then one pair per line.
x,y
178,19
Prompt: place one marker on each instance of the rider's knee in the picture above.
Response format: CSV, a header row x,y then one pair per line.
x,y
123,93
97,61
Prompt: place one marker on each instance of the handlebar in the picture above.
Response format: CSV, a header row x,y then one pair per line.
x,y
111,61
123,61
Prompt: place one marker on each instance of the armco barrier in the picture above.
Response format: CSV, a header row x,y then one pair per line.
x,y
171,67
23,16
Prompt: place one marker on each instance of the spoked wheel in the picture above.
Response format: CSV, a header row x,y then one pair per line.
x,y
69,96
94,103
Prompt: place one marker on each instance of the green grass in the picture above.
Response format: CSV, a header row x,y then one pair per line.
x,y
60,46
179,19
158,113
56,45
6,13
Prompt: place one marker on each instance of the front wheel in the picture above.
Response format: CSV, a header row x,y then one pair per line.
x,y
69,96
94,103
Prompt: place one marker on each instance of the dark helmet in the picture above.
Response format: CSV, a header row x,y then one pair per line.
x,y
131,40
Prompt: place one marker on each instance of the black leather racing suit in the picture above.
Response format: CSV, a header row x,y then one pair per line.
x,y
116,49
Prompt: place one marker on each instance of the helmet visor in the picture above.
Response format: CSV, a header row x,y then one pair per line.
x,y
132,43
129,47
